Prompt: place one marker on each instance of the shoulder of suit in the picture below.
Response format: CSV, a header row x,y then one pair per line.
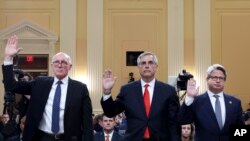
x,y
99,134
163,84
76,82
117,134
131,84
231,97
44,78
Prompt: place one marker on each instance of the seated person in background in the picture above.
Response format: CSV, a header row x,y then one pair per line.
x,y
108,133
8,129
3,121
120,123
97,123
187,132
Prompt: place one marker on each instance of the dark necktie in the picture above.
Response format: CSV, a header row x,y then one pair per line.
x,y
218,111
56,108
147,107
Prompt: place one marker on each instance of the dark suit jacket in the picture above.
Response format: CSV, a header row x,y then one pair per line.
x,y
162,121
99,136
202,114
78,108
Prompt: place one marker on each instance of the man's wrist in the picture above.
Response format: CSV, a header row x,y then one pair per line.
x,y
8,58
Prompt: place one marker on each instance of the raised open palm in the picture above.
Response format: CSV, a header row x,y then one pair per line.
x,y
108,81
11,47
192,90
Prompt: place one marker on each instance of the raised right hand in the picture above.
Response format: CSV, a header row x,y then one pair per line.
x,y
11,48
108,81
192,90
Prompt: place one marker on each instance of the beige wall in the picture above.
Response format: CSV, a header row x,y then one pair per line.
x,y
134,26
230,44
188,34
43,13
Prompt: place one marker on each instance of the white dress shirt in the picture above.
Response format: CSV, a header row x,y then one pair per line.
x,y
222,104
46,122
189,101
110,136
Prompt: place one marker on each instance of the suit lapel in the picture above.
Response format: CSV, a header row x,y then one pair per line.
x,y
155,98
47,88
210,112
114,137
102,137
228,106
139,95
69,96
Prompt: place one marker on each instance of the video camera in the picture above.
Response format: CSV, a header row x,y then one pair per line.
x,y
182,80
246,115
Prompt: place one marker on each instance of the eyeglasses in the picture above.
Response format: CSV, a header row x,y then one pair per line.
x,y
62,63
144,63
215,78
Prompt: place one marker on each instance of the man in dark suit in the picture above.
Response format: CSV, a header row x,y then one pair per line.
x,y
214,111
72,110
108,133
150,106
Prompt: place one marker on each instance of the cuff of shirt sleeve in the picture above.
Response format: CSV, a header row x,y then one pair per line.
x,y
105,97
5,62
189,100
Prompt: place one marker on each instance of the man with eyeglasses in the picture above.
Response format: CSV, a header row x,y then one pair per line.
x,y
150,106
60,107
214,111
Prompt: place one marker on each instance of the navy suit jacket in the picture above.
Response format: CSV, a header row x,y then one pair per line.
x,y
99,136
78,108
162,121
202,114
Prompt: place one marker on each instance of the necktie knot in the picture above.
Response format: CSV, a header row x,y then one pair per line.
x,y
146,86
216,96
59,82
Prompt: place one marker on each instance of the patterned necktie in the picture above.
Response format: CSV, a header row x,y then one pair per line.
x,y
147,107
56,108
107,137
218,111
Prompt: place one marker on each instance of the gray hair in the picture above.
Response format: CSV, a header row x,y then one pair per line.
x,y
66,55
146,54
216,67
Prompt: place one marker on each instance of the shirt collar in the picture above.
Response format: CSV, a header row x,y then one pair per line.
x,y
151,83
211,94
64,80
110,135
